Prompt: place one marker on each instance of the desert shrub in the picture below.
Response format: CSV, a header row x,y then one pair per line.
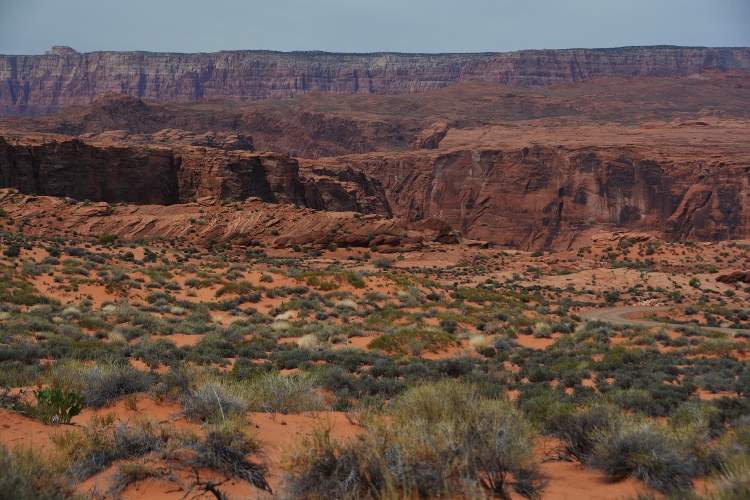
x,y
544,405
293,393
26,475
57,405
175,383
93,448
347,386
437,440
355,279
382,263
580,431
103,383
230,449
107,238
244,369
648,453
240,288
13,250
213,401
448,325
70,331
155,352
414,339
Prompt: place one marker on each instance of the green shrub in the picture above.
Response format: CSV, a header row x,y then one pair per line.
x,y
107,238
13,250
55,405
355,279
414,339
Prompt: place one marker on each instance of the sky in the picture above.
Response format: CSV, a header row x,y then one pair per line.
x,y
33,26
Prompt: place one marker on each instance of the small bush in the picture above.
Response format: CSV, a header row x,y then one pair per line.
x,y
229,449
293,393
13,250
438,440
415,340
580,431
59,406
647,453
25,475
107,238
102,384
212,401
383,263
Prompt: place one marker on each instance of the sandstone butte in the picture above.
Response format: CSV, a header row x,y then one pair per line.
x,y
647,139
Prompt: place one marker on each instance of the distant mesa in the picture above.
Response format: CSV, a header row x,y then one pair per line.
x,y
61,50
32,85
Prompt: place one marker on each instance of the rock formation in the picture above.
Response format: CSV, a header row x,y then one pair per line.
x,y
524,168
62,77
207,221
116,172
546,197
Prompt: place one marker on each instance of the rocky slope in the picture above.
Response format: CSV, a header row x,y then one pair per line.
x,y
145,174
62,77
208,221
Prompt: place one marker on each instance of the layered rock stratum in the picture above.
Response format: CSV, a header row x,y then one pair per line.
x,y
520,167
122,172
62,77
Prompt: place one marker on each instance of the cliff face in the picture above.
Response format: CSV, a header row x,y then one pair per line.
x,y
547,197
115,172
43,84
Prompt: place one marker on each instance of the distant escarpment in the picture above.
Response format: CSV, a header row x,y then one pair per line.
x,y
116,172
62,77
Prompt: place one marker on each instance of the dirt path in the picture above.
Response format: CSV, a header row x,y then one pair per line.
x,y
616,315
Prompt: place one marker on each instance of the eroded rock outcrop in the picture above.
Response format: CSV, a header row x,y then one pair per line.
x,y
123,172
546,197
42,84
209,221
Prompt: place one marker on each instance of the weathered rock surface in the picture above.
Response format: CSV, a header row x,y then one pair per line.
x,y
122,172
62,77
548,196
735,277
168,136
208,221
389,236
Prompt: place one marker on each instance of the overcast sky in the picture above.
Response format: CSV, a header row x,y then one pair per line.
x,y
33,26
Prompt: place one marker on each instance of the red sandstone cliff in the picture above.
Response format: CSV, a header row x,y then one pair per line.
x,y
122,172
548,196
42,84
